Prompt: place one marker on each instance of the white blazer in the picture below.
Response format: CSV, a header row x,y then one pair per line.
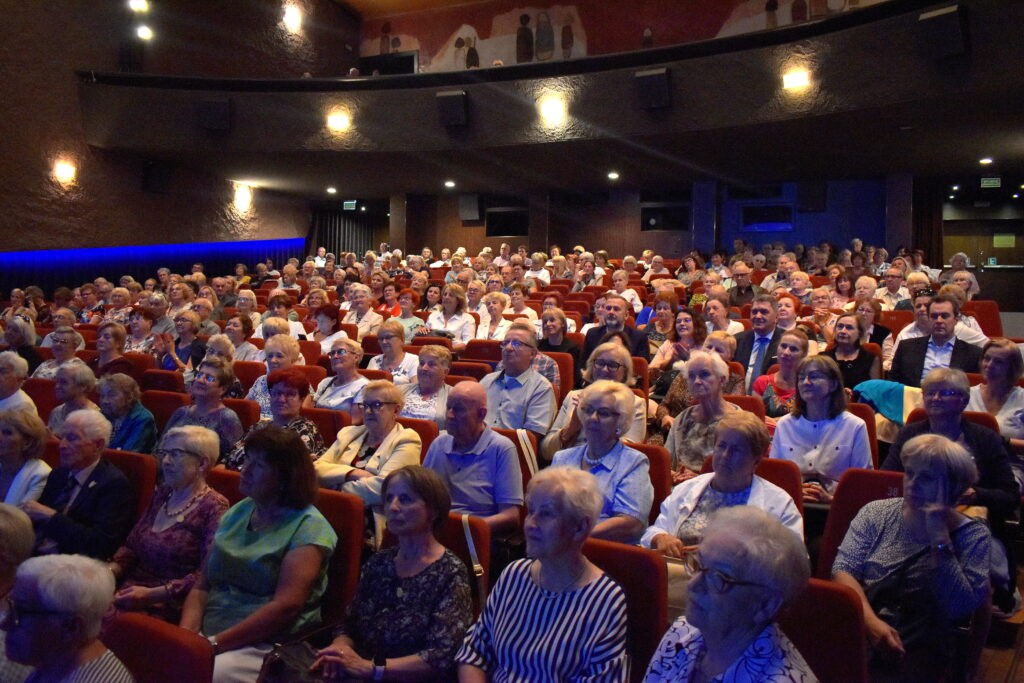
x,y
28,482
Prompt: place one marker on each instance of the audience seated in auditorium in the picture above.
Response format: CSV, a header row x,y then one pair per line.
x,y
915,357
165,551
518,397
213,378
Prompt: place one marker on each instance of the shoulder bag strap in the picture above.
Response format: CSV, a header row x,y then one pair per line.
x,y
478,569
528,452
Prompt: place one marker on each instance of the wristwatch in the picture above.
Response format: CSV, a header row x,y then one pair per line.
x,y
213,642
379,663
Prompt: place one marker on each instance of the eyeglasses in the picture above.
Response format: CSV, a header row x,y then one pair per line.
x,y
717,581
603,413
942,393
338,352
607,364
513,344
374,406
13,614
175,453
813,377
59,342
279,393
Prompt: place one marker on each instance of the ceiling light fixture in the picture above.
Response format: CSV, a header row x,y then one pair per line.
x,y
332,190
144,33
138,5
64,172
1016,196
243,198
985,161
362,208
955,188
292,18
952,196
449,184
796,79
613,175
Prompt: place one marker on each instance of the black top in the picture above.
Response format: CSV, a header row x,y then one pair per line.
x,y
854,371
570,347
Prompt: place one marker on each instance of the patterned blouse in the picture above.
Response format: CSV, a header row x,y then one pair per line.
x,y
173,556
425,615
777,401
690,441
144,346
691,531
261,394
304,427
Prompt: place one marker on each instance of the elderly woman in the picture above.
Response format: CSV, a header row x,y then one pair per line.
x,y
999,396
716,312
110,338
288,389
22,471
328,327
819,435
689,272
20,337
247,304
412,607
266,573
495,327
184,352
13,371
180,296
606,412
609,361
408,300
855,363
19,304
554,616
957,264
740,443
280,306
65,340
280,351
517,295
787,312
918,565
452,318
313,302
691,436
965,280
361,315
122,307
344,388
140,331
870,311
620,284
778,389
238,329
688,333
73,384
364,454
394,358
748,566
161,558
134,428
427,397
213,377
389,302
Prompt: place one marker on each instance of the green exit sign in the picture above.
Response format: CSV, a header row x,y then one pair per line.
x,y
991,182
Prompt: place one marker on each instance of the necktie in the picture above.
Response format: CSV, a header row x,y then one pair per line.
x,y
64,497
755,367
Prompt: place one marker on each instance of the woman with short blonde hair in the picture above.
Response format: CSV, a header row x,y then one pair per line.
x,y
23,473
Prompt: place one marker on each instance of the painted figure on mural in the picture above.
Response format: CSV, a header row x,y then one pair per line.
x,y
545,45
472,56
771,10
648,39
459,53
524,40
567,37
385,38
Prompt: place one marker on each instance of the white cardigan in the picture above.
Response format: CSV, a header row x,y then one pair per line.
x,y
28,482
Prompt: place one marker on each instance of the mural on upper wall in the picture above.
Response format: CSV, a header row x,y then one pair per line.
x,y
502,32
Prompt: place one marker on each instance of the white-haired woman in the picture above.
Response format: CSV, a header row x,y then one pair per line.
x,y
606,412
20,337
620,285
496,326
23,473
748,566
134,428
691,438
361,314
965,280
555,615
957,264
161,558
247,305
394,358
122,307
344,389
452,317
74,382
427,397
609,361
280,351
64,342
918,565
13,371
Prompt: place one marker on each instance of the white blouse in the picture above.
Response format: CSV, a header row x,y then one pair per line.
x,y
462,325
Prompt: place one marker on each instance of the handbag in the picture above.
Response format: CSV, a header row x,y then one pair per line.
x,y
289,663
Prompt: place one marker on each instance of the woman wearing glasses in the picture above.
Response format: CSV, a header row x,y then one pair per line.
x,y
605,412
288,389
427,397
747,568
65,341
364,454
159,562
394,358
342,390
609,361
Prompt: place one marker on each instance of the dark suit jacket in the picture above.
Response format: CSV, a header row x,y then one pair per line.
x,y
908,362
879,333
99,520
638,342
745,346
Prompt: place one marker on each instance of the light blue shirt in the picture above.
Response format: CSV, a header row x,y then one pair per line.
x,y
937,356
481,480
523,402
622,476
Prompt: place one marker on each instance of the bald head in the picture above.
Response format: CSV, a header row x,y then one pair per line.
x,y
466,410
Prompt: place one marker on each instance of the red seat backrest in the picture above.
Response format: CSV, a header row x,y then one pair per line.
x,y
248,371
163,404
826,624
155,651
344,512
427,429
373,375
565,372
43,394
856,488
783,473
248,412
750,404
163,380
987,315
487,350
140,469
471,369
864,412
328,421
660,472
979,418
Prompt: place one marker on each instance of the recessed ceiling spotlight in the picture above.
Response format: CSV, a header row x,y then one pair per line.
x,y
553,109
332,190
955,188
362,208
64,172
1016,196
613,175
144,33
985,161
449,184
952,196
138,5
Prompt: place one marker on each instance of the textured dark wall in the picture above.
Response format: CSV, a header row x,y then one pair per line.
x,y
40,47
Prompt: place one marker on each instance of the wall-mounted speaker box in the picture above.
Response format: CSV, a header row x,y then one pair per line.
x,y
214,115
452,108
652,91
942,32
469,207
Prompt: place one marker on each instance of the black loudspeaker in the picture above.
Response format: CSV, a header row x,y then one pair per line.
x,y
214,115
156,177
469,207
652,88
812,197
943,32
452,108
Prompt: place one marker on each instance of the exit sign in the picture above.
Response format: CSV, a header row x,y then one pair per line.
x,y
991,182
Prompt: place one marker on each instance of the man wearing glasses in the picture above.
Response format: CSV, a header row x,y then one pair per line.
x,y
518,397
743,292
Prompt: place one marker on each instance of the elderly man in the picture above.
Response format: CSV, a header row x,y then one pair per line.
x,y
479,466
508,278
158,305
893,291
87,506
204,309
787,265
743,292
615,311
756,348
226,297
62,317
445,260
13,371
518,397
504,254
53,621
914,358
657,267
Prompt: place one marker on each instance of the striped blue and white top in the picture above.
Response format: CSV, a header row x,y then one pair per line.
x,y
526,633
